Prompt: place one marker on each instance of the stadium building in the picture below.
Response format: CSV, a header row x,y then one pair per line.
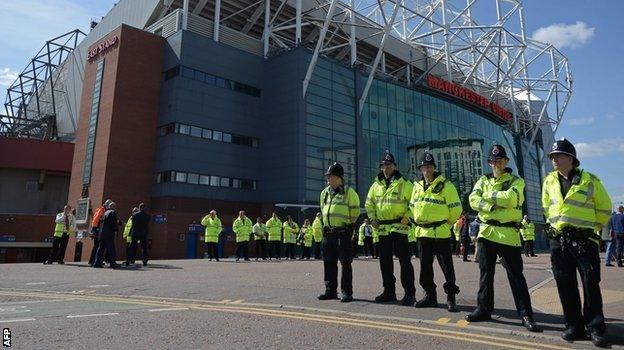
x,y
196,105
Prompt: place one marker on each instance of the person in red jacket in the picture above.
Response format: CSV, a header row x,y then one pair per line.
x,y
95,229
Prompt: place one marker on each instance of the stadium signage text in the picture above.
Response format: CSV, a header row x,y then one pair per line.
x,y
102,47
469,96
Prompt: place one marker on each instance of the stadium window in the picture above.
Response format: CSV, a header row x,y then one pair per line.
x,y
227,137
200,76
188,72
220,82
214,181
236,183
157,178
225,182
217,135
210,79
184,129
180,176
204,180
193,178
167,176
196,131
207,133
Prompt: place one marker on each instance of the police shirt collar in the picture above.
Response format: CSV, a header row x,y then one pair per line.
x,y
340,189
435,177
395,176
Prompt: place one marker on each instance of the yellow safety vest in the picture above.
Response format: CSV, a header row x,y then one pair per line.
x,y
242,228
317,230
307,236
213,229
59,226
260,229
126,232
389,203
290,232
586,205
439,202
274,227
493,202
339,208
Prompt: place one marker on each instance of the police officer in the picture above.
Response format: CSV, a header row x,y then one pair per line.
x,y
213,226
290,230
498,198
576,205
527,230
435,207
340,207
387,205
259,231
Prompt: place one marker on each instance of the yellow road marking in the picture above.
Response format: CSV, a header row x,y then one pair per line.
x,y
224,301
397,327
462,323
239,301
443,320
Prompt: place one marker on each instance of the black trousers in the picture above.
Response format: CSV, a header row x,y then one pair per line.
x,y
242,250
466,244
289,250
106,244
305,252
441,249
58,248
528,248
397,243
368,246
96,244
275,249
566,259
414,249
260,249
129,253
619,248
488,253
338,247
144,250
317,250
213,250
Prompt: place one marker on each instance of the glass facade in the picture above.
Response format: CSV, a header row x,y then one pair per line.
x,y
406,122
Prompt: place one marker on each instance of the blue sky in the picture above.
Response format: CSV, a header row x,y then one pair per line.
x,y
589,33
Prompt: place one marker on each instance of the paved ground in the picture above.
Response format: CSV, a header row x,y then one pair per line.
x,y
202,304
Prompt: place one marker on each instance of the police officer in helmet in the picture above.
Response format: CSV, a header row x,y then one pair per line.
x,y
498,198
576,206
340,207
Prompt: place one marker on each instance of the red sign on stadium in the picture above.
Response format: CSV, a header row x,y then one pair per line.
x,y
468,95
102,47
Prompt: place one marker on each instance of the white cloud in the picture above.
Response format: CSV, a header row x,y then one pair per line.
x,y
565,35
580,121
7,77
613,115
600,148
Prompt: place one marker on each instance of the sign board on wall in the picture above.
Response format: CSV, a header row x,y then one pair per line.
x,y
82,211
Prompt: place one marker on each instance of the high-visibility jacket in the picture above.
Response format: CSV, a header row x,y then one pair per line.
x,y
242,228
290,232
527,230
260,231
457,226
126,232
308,237
389,202
274,227
213,229
339,207
586,205
362,233
317,230
97,216
59,226
438,202
412,234
499,200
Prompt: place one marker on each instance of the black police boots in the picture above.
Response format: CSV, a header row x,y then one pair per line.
x,y
451,304
598,339
573,333
530,325
346,298
386,297
478,316
408,299
328,295
429,300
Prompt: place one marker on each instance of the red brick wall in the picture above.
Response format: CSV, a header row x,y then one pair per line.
x,y
27,227
123,158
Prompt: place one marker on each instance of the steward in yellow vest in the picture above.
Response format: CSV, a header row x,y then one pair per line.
x,y
242,228
290,230
365,238
498,198
211,234
527,230
274,228
260,233
576,206
317,232
65,225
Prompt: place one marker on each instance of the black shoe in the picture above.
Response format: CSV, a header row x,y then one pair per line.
x,y
98,266
127,263
408,299
533,255
346,298
47,262
530,325
478,316
386,297
598,339
328,295
609,265
115,266
145,263
573,333
217,259
429,300
451,305
61,262
237,259
246,259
